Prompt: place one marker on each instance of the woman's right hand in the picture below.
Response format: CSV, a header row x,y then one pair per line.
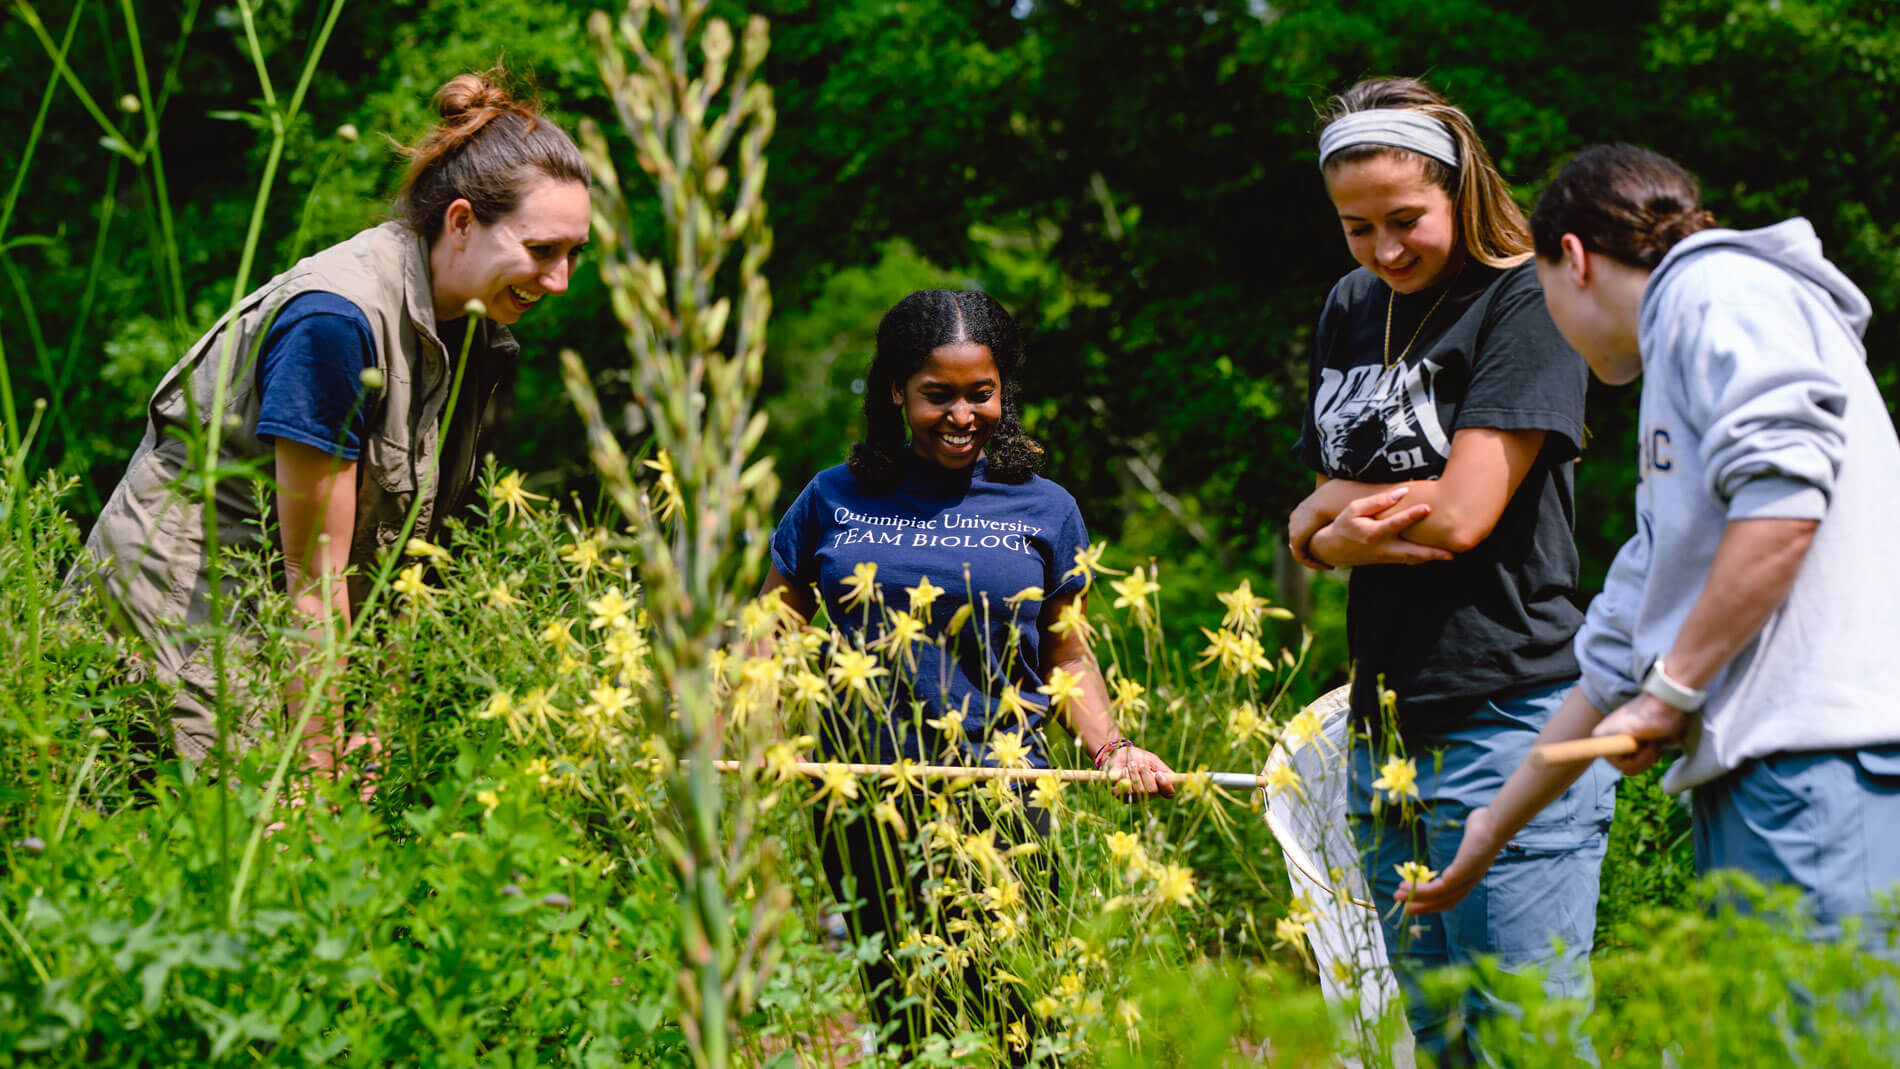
x,y
1369,531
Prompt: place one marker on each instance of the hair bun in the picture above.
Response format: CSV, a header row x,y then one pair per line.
x,y
1671,227
466,93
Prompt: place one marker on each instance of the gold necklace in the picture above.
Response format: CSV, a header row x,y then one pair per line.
x,y
1389,301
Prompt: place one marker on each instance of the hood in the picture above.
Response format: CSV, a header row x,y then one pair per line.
x,y
1790,245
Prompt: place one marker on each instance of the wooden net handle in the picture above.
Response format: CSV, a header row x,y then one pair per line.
x,y
1564,753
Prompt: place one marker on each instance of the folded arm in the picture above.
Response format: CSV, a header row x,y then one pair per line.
x,y
1452,514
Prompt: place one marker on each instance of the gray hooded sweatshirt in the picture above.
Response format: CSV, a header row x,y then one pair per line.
x,y
1757,404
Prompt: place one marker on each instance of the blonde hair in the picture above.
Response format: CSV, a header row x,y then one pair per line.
x,y
1490,223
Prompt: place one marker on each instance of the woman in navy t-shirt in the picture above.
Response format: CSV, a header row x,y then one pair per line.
x,y
942,500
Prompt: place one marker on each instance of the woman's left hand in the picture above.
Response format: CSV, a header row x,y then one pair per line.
x,y
1139,772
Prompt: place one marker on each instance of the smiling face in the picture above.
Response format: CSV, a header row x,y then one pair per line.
x,y
513,262
1399,225
952,404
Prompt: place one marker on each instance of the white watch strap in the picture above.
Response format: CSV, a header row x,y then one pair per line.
x,y
1658,683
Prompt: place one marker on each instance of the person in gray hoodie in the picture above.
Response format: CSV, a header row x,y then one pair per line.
x,y
1752,618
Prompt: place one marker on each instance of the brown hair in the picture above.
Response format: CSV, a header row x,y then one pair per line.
x,y
1623,201
1490,223
488,147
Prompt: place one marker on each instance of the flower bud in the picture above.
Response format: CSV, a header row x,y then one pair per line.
x,y
511,890
32,844
99,734
129,104
347,133
371,378
557,900
475,307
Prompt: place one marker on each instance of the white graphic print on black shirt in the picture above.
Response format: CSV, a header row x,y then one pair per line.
x,y
1370,411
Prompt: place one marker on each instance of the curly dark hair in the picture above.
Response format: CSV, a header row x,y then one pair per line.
x,y
913,329
1624,201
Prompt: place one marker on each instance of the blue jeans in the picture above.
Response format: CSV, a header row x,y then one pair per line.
x,y
1536,907
1823,821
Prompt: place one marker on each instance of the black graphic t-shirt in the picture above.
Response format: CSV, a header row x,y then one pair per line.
x,y
982,543
1501,616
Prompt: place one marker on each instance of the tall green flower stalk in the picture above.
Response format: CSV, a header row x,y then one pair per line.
x,y
687,102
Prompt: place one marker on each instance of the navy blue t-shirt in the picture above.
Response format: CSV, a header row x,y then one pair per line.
x,y
982,542
309,378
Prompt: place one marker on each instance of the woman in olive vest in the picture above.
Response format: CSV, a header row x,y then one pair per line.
x,y
334,377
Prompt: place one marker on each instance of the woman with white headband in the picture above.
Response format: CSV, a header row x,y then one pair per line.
x,y
1444,414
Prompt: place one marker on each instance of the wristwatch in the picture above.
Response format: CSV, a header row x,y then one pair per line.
x,y
1657,683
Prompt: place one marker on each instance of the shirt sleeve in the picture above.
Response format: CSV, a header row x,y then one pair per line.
x,y
1605,644
1062,576
309,378
1323,342
1524,376
795,542
1773,415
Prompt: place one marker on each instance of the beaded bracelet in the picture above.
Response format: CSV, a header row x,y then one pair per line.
x,y
1109,747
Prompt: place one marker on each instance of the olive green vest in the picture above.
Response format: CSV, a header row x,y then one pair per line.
x,y
149,541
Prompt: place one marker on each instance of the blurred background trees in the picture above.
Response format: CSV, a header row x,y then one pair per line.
x,y
1134,178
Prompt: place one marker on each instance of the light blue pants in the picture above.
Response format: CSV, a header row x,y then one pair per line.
x,y
1535,909
1827,822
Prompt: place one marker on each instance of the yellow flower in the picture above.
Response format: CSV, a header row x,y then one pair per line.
x,y
886,812
607,701
500,597
583,553
489,800
1047,794
1304,727
510,494
1290,932
1003,896
611,609
835,784
903,632
1243,608
1281,776
1046,1006
1014,707
1073,617
855,670
951,725
959,618
781,760
903,776
410,585
501,704
1088,562
1244,723
981,848
1413,872
809,687
1135,592
1017,1036
558,633
1238,654
1126,846
1061,688
670,500
1127,1012
923,596
536,706
1028,593
1174,883
1398,778
863,584
417,547
1130,695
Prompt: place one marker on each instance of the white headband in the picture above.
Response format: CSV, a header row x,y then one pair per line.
x,y
1394,127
